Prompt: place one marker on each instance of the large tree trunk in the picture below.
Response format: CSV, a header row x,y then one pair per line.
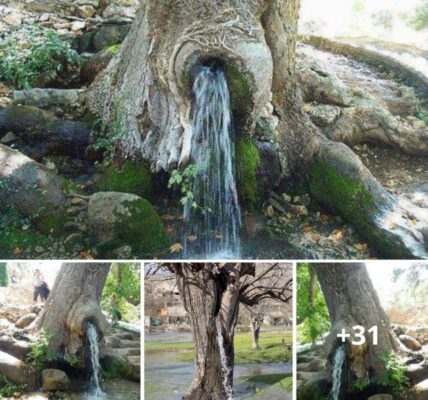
x,y
352,300
145,93
73,302
211,298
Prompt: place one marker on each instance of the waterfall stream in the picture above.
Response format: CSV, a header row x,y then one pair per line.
x,y
225,368
213,217
96,393
337,376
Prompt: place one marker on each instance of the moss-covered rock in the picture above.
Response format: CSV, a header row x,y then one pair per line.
x,y
356,204
130,178
119,219
247,163
240,93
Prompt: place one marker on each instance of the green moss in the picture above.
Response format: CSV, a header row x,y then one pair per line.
x,y
352,200
114,49
52,224
131,178
312,392
248,161
140,227
240,92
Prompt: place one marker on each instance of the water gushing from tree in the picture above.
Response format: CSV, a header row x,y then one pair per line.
x,y
96,393
225,368
213,217
337,376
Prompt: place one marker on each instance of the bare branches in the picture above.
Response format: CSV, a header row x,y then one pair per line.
x,y
258,282
272,281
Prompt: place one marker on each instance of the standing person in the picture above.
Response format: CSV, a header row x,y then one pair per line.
x,y
39,284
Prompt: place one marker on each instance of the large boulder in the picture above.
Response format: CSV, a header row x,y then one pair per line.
x,y
417,372
25,320
410,342
124,9
420,391
28,186
110,35
17,371
16,348
116,219
55,379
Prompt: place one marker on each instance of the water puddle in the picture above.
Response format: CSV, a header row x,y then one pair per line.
x,y
168,379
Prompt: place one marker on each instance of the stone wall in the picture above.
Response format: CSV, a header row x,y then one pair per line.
x,y
108,9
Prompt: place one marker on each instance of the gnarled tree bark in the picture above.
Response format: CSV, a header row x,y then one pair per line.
x,y
73,302
145,94
352,300
211,295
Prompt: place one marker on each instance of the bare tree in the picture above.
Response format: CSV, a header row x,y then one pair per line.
x,y
211,295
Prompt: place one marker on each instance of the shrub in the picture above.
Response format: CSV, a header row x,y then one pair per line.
x,y
31,56
41,352
7,388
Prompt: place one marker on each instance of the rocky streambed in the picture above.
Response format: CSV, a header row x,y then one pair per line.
x,y
57,378
314,373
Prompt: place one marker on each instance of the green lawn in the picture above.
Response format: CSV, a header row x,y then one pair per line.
x,y
271,350
281,381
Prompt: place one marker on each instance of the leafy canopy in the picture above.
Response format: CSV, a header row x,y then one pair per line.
x,y
312,316
123,284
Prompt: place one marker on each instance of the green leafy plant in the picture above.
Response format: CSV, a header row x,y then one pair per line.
x,y
123,282
71,360
419,21
361,384
45,57
423,115
108,138
41,351
312,313
395,377
8,389
185,181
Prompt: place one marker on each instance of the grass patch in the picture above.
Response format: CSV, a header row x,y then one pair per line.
x,y
271,350
280,381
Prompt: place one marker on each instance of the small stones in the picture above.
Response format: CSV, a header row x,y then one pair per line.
x,y
299,210
78,26
13,19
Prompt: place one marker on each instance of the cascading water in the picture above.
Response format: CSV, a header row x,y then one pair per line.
x,y
96,393
337,376
213,218
225,368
